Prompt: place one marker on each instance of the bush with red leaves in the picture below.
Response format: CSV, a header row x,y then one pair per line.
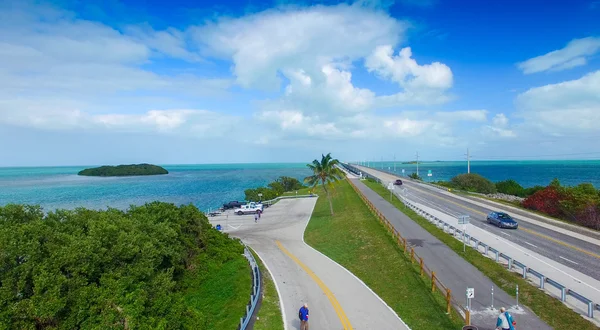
x,y
546,200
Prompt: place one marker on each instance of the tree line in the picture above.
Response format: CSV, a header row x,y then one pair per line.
x,y
106,269
274,189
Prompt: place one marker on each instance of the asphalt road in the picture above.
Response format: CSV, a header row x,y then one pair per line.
x,y
336,299
454,271
572,252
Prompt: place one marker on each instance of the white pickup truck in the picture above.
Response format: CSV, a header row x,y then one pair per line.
x,y
249,208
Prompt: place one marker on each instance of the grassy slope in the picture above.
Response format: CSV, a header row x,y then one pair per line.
x,y
269,315
354,238
545,306
222,297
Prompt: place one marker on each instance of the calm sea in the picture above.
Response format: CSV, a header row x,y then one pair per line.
x,y
209,186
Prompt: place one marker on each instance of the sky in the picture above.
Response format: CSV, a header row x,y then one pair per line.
x,y
190,82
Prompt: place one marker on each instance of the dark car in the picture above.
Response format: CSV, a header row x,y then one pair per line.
x,y
232,205
398,182
502,220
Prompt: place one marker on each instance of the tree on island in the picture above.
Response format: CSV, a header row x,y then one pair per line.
x,y
326,173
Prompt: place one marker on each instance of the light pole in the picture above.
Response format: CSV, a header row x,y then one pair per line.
x,y
417,163
468,161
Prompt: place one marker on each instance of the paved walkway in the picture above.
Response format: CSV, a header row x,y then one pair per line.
x,y
455,272
336,299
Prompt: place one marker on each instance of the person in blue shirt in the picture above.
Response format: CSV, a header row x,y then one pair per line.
x,y
303,315
505,320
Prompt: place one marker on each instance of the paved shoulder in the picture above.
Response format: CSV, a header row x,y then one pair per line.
x,y
336,299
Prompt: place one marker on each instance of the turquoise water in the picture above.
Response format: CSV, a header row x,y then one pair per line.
x,y
209,186
527,173
206,186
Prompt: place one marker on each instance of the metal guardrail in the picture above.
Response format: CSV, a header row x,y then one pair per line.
x,y
414,258
256,289
274,200
591,306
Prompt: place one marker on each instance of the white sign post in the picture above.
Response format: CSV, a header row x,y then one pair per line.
x,y
391,188
470,295
260,197
464,220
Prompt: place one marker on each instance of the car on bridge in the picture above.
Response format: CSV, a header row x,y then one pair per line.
x,y
398,182
502,220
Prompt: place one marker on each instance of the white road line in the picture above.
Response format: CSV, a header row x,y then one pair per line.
x,y
529,244
503,233
568,260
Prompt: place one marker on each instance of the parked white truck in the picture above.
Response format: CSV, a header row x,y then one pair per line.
x,y
249,208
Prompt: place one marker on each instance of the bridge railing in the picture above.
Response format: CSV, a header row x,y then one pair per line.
x,y
256,289
426,212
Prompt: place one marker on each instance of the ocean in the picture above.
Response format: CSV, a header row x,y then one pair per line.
x,y
209,186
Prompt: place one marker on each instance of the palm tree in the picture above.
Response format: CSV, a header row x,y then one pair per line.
x,y
325,173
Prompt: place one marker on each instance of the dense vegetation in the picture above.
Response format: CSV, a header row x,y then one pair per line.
x,y
474,183
124,170
274,189
415,176
512,187
112,269
579,204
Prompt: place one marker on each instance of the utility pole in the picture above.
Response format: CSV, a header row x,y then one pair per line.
x,y
417,163
394,163
382,162
468,161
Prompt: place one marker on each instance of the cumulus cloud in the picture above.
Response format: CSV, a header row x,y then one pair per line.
x,y
570,106
463,115
500,120
267,43
574,54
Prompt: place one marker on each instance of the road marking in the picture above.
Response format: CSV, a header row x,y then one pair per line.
x,y
530,244
523,229
568,260
503,233
336,305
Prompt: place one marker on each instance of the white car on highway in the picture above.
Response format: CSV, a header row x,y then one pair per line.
x,y
249,208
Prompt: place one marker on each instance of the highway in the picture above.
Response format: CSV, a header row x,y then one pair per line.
x,y
578,254
336,298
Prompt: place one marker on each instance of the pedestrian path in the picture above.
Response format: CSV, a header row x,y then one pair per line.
x,y
452,270
336,298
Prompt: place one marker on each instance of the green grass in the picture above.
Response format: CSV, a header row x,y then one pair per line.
x,y
223,296
269,315
549,309
356,239
303,191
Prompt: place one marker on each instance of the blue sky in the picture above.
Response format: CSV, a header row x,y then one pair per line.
x,y
106,82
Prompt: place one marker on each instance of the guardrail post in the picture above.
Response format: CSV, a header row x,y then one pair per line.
x,y
563,294
421,262
509,263
486,250
412,254
404,244
542,280
448,301
432,281
525,272
497,256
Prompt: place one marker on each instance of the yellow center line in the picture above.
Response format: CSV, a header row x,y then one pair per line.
x,y
592,254
336,305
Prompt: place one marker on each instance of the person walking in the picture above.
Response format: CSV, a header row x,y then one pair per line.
x,y
255,217
303,315
505,321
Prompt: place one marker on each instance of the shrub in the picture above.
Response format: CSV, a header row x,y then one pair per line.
x,y
473,182
546,200
510,187
415,176
532,190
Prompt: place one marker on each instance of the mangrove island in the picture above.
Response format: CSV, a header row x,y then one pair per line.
x,y
124,170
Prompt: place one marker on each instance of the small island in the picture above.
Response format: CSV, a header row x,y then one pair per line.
x,y
124,170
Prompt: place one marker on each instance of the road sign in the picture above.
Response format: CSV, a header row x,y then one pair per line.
x,y
429,173
402,171
470,293
463,219
390,186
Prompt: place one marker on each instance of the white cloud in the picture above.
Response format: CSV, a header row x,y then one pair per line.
x,y
275,41
500,120
574,54
570,106
464,115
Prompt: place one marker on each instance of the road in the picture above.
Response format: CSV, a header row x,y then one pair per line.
x,y
454,271
336,299
560,246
